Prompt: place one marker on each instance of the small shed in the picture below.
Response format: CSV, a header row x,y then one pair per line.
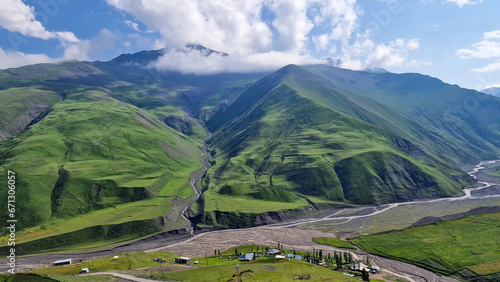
x,y
247,257
274,252
183,260
62,262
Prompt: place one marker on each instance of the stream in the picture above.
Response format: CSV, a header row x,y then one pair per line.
x,y
384,208
193,180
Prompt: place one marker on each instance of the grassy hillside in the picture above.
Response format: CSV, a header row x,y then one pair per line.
x,y
457,125
466,247
284,141
93,160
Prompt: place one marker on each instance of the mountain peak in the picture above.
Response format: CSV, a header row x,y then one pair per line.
x,y
139,58
492,90
145,57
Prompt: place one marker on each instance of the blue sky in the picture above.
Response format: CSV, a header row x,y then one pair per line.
x,y
457,41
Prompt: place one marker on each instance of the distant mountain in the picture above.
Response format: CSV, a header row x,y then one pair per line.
x,y
145,57
139,58
495,91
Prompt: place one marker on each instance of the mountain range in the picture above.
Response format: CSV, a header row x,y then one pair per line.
x,y
494,90
104,151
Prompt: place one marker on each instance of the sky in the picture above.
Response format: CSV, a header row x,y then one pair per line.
x,y
457,41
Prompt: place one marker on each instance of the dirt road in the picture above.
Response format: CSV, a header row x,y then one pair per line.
x,y
119,275
291,238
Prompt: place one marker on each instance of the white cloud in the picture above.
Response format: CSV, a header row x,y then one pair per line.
x,y
257,43
230,26
292,24
197,62
132,25
15,16
488,48
495,34
484,50
17,59
321,42
462,3
342,15
83,49
364,53
240,29
489,68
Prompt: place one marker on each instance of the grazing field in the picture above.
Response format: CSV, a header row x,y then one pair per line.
x,y
336,242
220,266
281,270
127,260
469,246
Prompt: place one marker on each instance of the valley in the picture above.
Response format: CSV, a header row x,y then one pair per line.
x,y
298,234
115,157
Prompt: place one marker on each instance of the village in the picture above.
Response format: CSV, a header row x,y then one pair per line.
x,y
243,257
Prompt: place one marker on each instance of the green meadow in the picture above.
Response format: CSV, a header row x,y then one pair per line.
x,y
336,242
468,246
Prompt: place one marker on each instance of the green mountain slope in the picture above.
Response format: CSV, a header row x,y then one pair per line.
x,y
93,160
284,139
463,123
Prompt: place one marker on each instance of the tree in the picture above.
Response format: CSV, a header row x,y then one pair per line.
x,y
338,259
365,275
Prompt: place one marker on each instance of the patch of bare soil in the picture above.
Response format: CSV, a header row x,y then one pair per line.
x,y
289,238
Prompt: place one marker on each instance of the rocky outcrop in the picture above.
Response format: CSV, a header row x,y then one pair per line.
x,y
30,117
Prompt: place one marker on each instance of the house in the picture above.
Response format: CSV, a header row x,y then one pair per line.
x,y
297,257
62,262
359,266
274,252
374,269
183,260
246,257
